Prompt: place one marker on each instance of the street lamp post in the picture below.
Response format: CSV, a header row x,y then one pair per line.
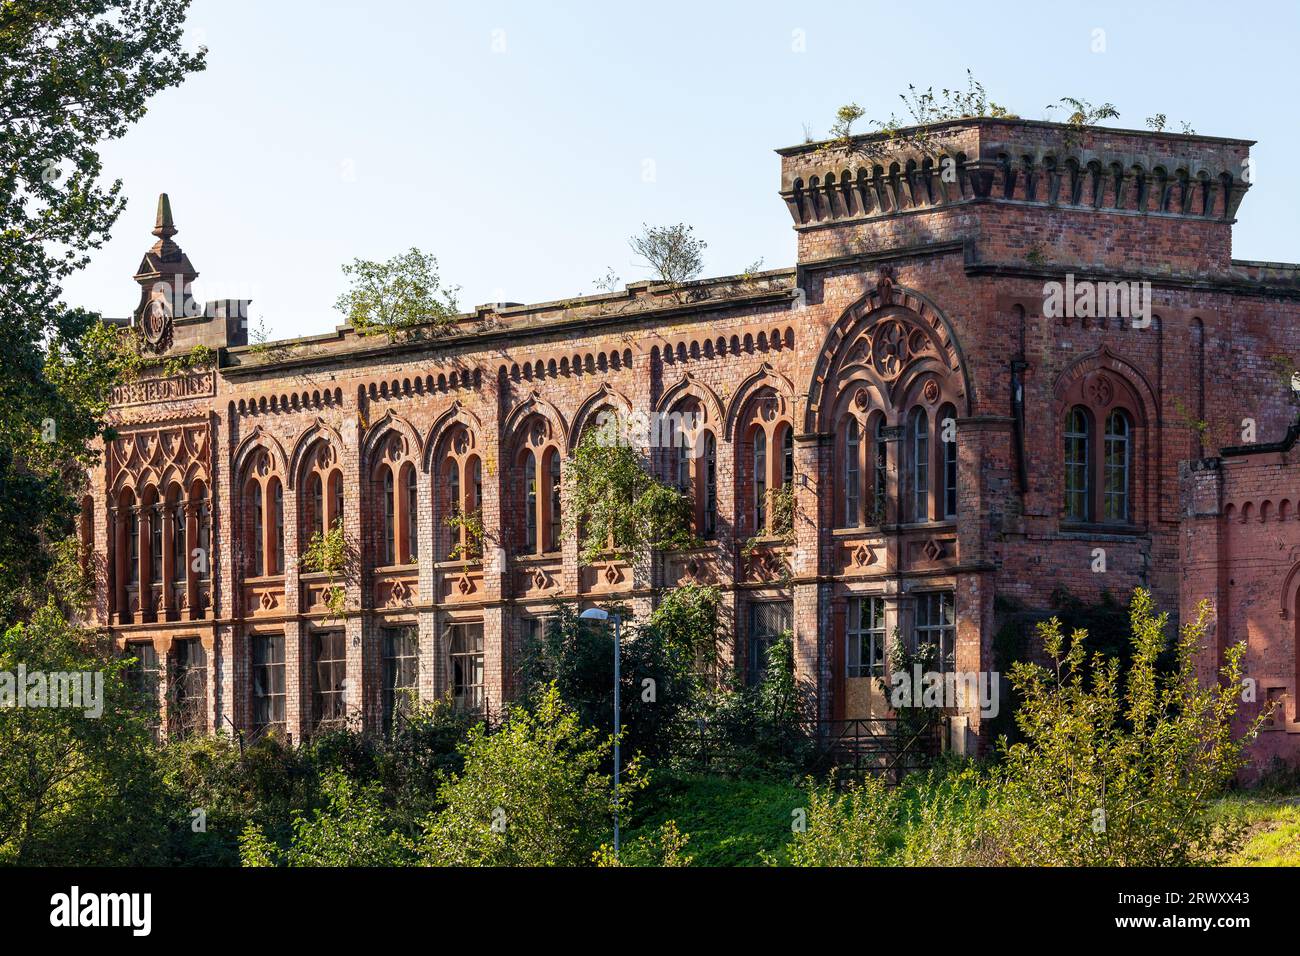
x,y
599,614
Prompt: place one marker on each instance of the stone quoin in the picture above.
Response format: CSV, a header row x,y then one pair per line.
x,y
956,453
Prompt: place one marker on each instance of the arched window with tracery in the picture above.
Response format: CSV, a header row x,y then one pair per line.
x,y
862,456
693,462
322,505
765,463
176,522
1078,439
459,490
394,535
946,432
918,463
1101,427
1116,476
538,487
262,525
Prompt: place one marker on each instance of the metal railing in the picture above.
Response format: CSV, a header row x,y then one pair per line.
x,y
885,747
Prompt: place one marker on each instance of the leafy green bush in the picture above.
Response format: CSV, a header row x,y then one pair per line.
x,y
531,794
853,826
747,731
1115,772
70,779
351,829
259,786
731,822
657,675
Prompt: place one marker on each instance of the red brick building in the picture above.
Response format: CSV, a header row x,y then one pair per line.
x,y
961,436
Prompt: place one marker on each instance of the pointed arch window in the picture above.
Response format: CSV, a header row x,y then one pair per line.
x,y
880,473
156,543
179,561
458,492
254,497
852,473
207,558
1078,491
277,541
553,489
412,514
946,427
390,519
760,480
133,547
336,495
709,471
316,500
530,502
692,463
787,455
1115,504
920,462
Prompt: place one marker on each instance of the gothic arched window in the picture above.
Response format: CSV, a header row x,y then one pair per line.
x,y
1078,490
946,428
316,504
530,502
709,472
256,544
459,492
1117,453
412,513
553,489
277,539
852,473
919,431
322,507
390,520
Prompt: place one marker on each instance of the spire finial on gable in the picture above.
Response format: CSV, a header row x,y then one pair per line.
x,y
164,228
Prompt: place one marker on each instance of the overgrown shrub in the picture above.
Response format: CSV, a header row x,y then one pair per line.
x,y
533,793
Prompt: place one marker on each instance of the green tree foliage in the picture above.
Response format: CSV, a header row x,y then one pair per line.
x,y
672,253
749,730
402,298
331,554
72,780
615,506
259,785
532,794
352,829
263,786
663,847
853,826
76,73
1115,771
663,669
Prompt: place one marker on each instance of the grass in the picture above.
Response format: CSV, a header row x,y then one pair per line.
x,y
1273,827
734,822
730,822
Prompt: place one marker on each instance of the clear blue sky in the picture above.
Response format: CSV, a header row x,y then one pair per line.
x,y
324,131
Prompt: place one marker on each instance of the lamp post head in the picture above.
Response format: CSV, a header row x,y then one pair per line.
x,y
594,614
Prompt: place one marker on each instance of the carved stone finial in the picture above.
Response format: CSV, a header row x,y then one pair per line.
x,y
885,285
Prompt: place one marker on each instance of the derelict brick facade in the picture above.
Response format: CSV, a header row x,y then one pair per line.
x,y
918,294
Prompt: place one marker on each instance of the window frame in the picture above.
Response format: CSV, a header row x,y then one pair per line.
x,y
267,672
928,619
400,665
859,637
328,679
467,697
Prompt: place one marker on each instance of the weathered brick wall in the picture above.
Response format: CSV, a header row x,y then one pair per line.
x,y
1240,550
958,266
